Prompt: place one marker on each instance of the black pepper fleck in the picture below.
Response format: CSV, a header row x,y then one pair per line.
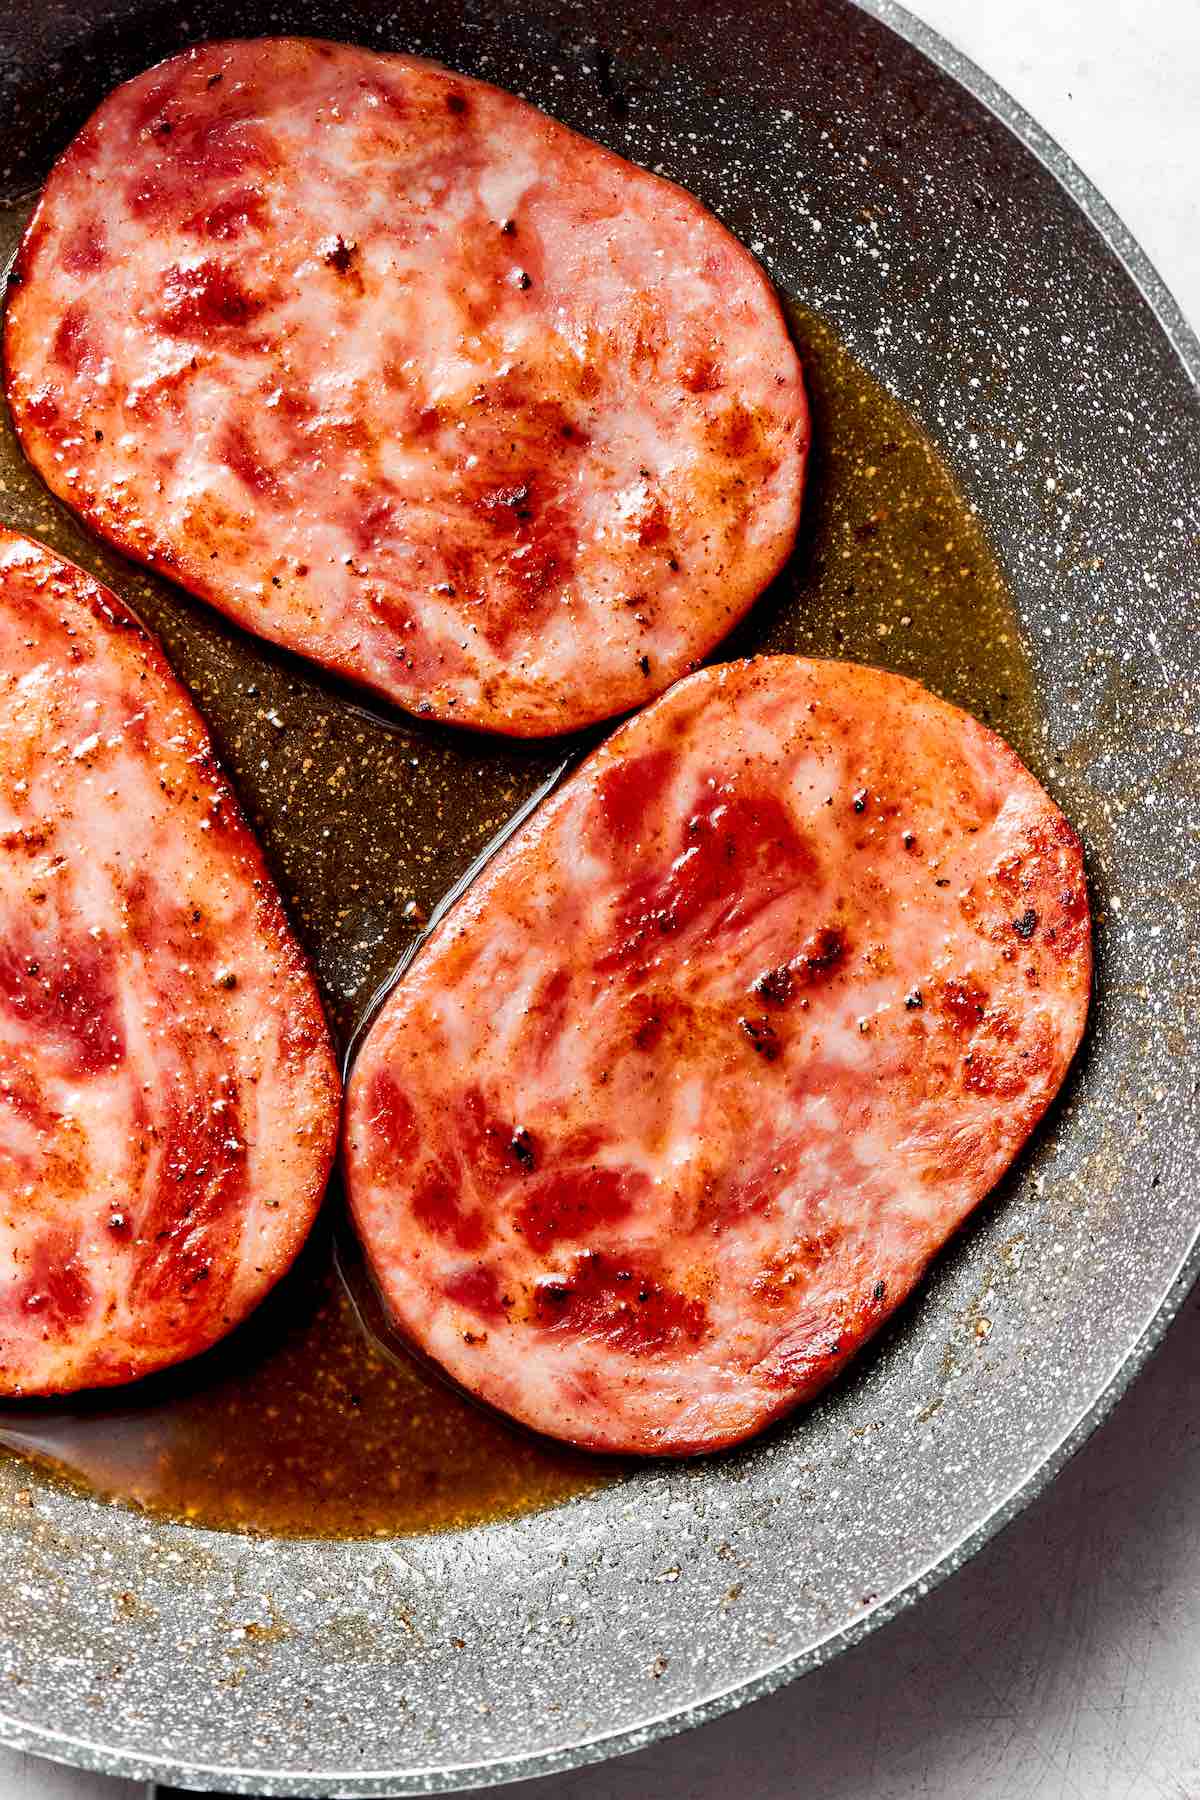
x,y
775,985
762,1036
521,1146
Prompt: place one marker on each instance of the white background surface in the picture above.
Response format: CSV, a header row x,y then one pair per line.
x,y
1064,1662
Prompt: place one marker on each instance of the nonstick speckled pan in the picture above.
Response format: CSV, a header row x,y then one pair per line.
x,y
890,190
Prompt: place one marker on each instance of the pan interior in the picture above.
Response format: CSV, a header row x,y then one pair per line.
x,y
924,244
312,1421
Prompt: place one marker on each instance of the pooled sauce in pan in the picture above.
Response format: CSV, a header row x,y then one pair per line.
x,y
311,1421
302,1425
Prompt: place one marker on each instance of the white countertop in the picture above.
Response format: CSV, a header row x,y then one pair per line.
x,y
1065,1660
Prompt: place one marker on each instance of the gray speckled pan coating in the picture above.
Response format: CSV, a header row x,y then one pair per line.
x,y
993,290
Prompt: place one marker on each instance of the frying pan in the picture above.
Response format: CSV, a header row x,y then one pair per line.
x,y
958,254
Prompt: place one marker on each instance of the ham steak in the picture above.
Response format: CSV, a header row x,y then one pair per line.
x,y
682,1097
401,374
168,1095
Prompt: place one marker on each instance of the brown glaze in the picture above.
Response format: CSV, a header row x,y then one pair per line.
x,y
893,566
367,821
302,1427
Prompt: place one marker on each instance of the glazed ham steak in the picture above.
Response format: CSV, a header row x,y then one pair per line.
x,y
398,372
168,1096
682,1097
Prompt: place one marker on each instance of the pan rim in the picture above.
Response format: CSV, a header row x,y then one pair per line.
x,y
90,1754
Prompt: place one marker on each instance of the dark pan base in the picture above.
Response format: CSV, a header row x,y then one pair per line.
x,y
963,259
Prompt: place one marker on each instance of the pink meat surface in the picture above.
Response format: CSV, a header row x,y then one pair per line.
x,y
683,1096
168,1096
400,373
